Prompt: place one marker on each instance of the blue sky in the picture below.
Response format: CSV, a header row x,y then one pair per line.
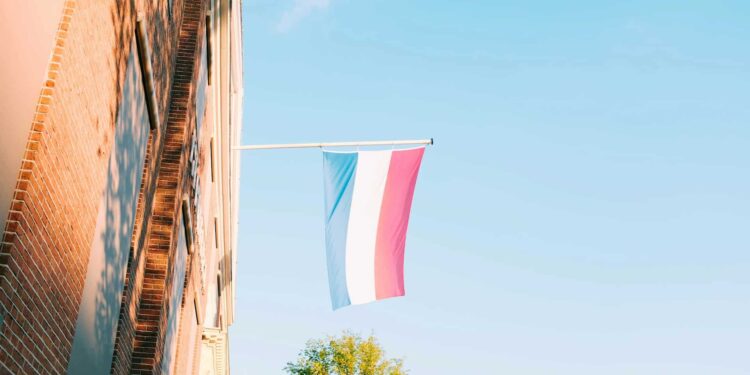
x,y
584,210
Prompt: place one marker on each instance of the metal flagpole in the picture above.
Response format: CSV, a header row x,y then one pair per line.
x,y
335,144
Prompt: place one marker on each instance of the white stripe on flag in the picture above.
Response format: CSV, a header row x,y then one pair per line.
x,y
369,184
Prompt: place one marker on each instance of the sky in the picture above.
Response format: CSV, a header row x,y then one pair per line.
x,y
584,209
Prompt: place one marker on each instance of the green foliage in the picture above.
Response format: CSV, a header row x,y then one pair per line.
x,y
348,354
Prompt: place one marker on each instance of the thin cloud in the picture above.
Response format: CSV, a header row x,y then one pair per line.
x,y
300,10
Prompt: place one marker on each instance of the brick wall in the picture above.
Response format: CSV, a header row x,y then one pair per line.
x,y
161,36
170,185
48,232
47,238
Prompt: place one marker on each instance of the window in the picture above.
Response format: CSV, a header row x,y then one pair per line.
x,y
209,50
218,285
216,233
187,224
175,301
197,315
211,151
144,57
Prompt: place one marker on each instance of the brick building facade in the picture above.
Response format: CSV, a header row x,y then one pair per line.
x,y
118,186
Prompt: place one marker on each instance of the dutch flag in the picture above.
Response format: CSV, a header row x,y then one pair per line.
x,y
368,197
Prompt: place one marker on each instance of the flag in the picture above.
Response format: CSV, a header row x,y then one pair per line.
x,y
368,198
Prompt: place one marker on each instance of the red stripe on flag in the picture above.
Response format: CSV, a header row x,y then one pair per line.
x,y
393,222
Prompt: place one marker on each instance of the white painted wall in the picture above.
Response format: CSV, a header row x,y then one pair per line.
x,y
27,38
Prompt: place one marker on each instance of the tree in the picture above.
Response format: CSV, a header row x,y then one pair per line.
x,y
348,354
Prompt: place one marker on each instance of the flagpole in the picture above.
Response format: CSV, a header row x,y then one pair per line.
x,y
335,144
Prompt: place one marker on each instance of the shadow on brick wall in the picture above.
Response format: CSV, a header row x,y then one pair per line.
x,y
105,279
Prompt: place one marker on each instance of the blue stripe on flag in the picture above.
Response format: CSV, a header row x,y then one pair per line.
x,y
338,171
